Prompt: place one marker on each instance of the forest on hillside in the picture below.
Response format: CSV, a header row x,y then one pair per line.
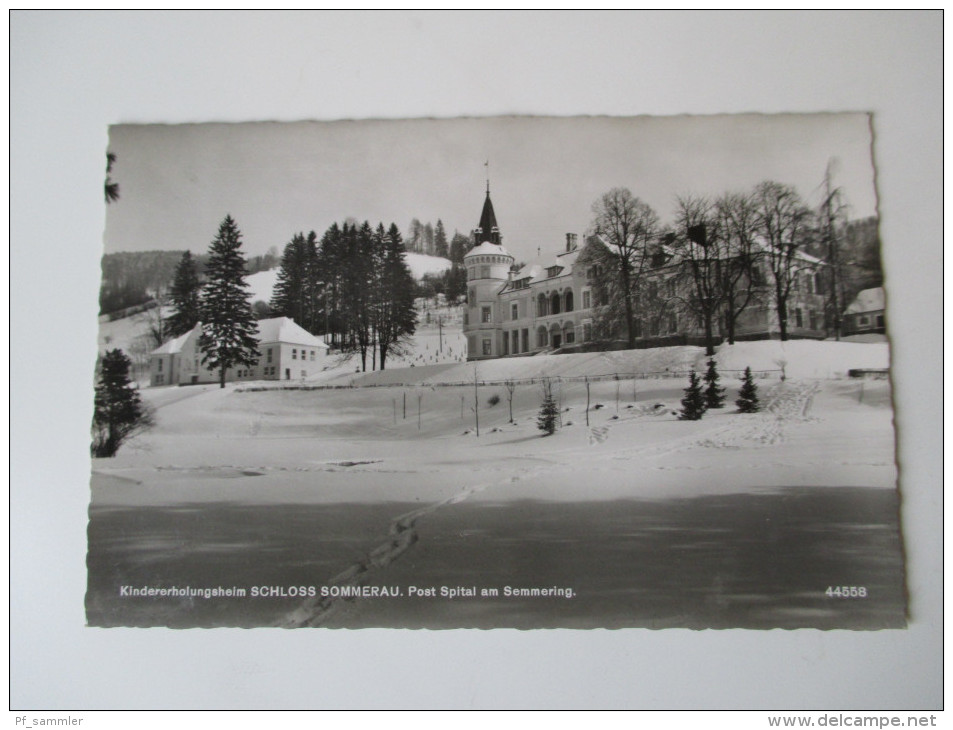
x,y
134,278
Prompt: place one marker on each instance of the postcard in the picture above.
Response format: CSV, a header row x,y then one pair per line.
x,y
504,372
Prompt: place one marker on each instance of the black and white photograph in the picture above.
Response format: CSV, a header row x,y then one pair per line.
x,y
468,360
512,372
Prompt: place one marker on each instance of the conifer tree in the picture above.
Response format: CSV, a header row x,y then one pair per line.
x,y
548,416
228,323
714,394
288,296
440,245
397,318
693,404
748,395
118,412
186,297
459,245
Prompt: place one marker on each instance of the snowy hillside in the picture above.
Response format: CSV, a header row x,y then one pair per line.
x,y
800,358
420,264
263,283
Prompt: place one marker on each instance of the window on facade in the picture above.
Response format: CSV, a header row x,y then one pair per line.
x,y
673,323
586,299
160,379
541,309
471,297
516,342
569,301
515,310
586,332
863,321
294,354
525,341
880,320
812,317
505,342
799,317
541,337
269,354
312,354
159,369
487,347
484,272
485,314
570,336
554,304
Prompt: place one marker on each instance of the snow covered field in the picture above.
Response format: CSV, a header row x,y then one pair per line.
x,y
391,463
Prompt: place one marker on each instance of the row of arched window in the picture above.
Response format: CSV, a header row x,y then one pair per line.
x,y
555,303
555,335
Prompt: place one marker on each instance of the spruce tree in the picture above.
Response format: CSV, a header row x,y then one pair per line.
x,y
288,296
228,323
548,413
748,395
714,394
118,413
440,245
397,318
186,297
693,404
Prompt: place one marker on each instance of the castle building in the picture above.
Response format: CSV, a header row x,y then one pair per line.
x,y
549,305
525,311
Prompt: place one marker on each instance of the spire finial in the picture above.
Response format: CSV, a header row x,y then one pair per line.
x,y
487,166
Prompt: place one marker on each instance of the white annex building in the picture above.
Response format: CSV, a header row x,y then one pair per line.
x,y
288,352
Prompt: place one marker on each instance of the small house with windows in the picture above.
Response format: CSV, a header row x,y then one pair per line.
x,y
865,315
287,352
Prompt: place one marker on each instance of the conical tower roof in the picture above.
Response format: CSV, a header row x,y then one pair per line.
x,y
488,230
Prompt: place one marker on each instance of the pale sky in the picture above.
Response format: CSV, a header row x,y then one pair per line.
x,y
177,182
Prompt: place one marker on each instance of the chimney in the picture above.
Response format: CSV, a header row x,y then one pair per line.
x,y
570,242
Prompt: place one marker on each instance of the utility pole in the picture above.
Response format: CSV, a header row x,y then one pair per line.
x,y
440,330
476,400
587,401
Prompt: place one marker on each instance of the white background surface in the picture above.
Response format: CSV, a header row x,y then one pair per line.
x,y
73,74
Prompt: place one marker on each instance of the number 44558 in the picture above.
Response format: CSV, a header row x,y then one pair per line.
x,y
846,592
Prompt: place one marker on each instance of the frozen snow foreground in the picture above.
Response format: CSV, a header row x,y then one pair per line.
x,y
418,442
390,486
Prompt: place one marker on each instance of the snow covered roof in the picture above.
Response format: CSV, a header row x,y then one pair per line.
x,y
869,300
174,345
284,329
489,249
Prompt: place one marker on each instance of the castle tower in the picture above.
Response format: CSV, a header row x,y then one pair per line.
x,y
488,267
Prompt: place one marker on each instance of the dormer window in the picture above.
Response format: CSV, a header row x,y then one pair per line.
x,y
553,271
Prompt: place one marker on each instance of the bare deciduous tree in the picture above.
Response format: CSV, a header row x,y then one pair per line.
x,y
629,228
784,224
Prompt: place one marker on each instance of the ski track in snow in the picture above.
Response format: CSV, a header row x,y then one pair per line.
x,y
401,537
784,402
